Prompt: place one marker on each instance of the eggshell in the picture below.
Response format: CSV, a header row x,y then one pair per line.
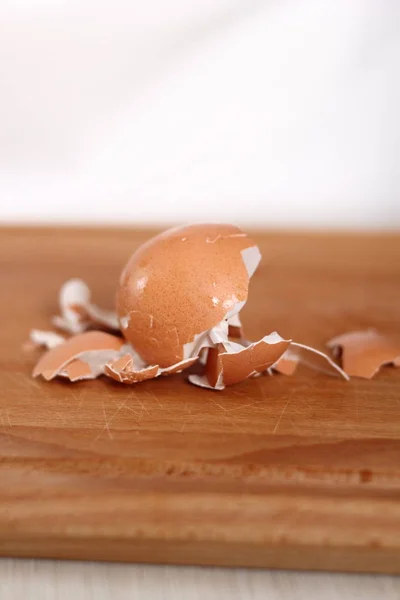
x,y
180,284
57,358
363,353
125,370
178,302
121,370
231,363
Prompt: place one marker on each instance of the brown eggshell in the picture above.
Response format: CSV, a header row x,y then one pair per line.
x,y
364,352
254,359
225,367
54,360
179,284
124,371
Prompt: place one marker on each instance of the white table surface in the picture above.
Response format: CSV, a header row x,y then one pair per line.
x,y
56,580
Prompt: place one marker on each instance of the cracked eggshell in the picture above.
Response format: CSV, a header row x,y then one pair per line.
x,y
180,284
94,346
229,363
241,363
125,370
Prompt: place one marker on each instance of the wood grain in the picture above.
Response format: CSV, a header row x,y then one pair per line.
x,y
282,472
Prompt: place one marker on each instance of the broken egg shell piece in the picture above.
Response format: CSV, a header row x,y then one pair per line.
x,y
122,370
102,345
125,371
363,353
187,280
77,311
231,363
240,363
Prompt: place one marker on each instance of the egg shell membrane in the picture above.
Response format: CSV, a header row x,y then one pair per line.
x,y
179,284
238,366
363,353
310,357
55,359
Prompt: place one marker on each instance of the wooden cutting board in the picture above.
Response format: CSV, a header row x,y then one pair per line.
x,y
299,471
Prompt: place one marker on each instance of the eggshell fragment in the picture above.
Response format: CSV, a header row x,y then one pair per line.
x,y
231,363
77,311
94,347
125,370
122,370
363,353
180,285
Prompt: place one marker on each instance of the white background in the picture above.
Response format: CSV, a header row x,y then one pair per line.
x,y
266,112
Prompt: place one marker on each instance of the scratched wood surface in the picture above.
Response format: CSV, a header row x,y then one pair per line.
x,y
297,472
